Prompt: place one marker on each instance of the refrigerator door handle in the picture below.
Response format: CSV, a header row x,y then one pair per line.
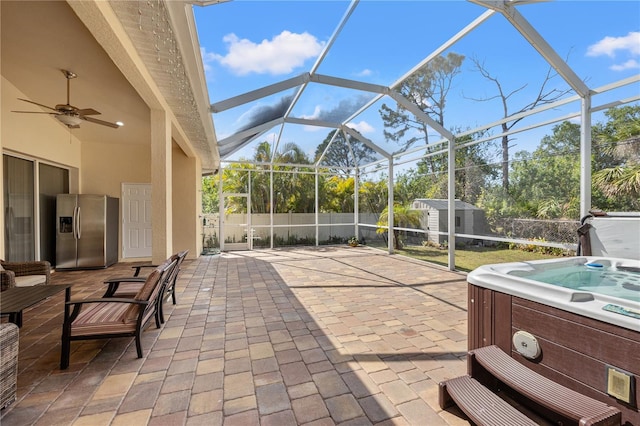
x,y
78,221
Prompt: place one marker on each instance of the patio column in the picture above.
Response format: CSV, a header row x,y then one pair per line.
x,y
187,202
161,182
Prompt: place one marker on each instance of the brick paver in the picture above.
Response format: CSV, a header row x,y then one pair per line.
x,y
285,337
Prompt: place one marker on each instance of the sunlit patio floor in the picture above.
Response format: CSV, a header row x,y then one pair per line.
x,y
314,336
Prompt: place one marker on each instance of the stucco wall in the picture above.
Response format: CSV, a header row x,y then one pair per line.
x,y
185,203
106,166
35,135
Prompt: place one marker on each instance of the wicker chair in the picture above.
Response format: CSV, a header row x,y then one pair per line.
x,y
106,318
8,363
24,274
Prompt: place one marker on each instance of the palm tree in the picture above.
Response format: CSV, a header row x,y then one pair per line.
x,y
622,180
403,217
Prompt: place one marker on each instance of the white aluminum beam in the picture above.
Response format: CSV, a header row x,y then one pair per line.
x,y
508,10
420,115
446,45
324,153
349,84
585,157
312,122
323,54
252,131
367,142
259,93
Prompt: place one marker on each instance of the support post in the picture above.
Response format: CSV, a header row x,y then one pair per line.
x,y
585,156
451,182
390,206
161,181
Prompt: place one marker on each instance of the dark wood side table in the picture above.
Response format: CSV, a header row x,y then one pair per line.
x,y
14,300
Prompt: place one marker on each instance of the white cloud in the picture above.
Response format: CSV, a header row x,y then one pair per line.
x,y
630,64
364,73
363,127
280,55
207,58
609,45
316,114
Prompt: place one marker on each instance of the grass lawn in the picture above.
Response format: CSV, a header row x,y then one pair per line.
x,y
472,257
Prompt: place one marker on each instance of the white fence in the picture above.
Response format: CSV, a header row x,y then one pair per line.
x,y
288,228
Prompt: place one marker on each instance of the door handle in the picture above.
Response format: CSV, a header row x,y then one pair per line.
x,y
78,226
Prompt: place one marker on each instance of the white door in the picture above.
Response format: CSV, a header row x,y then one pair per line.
x,y
136,220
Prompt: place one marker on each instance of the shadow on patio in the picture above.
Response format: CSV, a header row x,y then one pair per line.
x,y
316,336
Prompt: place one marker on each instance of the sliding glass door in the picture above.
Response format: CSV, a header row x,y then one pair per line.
x,y
19,207
52,181
29,220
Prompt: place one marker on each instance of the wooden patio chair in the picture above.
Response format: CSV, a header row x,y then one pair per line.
x,y
129,286
111,317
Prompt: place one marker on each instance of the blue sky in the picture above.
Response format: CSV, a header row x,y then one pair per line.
x,y
249,44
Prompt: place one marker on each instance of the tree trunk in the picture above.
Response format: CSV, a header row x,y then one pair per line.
x,y
505,161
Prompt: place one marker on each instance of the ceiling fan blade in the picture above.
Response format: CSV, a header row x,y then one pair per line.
x,y
36,103
87,111
36,112
102,122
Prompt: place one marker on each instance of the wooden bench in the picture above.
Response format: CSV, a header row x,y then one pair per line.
x,y
493,369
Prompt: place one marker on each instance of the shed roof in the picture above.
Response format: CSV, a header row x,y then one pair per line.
x,y
439,204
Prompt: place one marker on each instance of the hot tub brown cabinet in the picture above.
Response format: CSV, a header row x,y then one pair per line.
x,y
576,351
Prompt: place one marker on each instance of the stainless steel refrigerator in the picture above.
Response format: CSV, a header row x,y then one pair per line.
x,y
86,231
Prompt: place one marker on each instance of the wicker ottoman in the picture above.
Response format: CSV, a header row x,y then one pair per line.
x,y
8,363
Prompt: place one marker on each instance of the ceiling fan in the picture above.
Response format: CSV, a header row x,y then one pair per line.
x,y
67,113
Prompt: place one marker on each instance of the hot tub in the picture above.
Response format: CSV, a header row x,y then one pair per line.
x,y
582,314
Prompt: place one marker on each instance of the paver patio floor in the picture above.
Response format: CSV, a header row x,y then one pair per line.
x,y
307,336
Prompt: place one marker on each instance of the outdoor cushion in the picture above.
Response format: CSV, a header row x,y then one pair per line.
x,y
102,318
30,280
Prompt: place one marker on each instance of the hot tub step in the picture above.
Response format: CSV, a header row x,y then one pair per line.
x,y
482,406
552,399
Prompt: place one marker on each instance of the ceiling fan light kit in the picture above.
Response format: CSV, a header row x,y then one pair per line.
x,y
69,120
67,113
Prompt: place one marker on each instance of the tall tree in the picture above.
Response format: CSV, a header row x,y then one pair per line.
x,y
344,152
472,171
545,95
545,183
427,88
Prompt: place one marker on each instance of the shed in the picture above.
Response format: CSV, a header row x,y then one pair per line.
x,y
469,218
